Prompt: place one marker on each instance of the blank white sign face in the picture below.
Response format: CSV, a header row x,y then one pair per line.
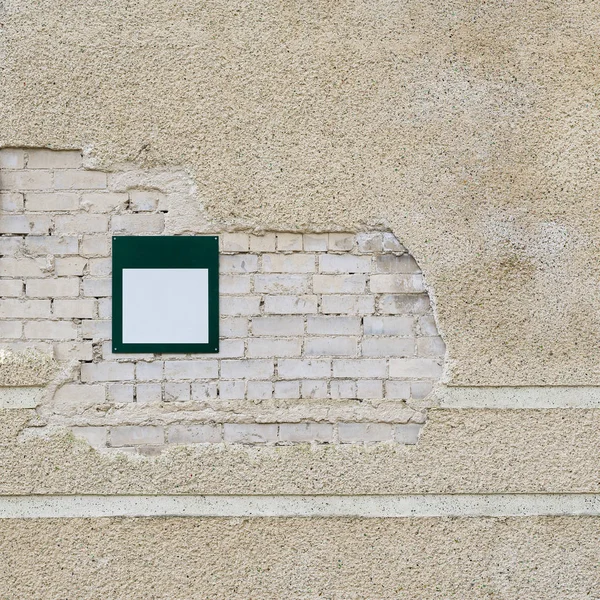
x,y
165,306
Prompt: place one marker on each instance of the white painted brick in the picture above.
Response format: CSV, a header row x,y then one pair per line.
x,y
234,242
14,224
333,325
51,244
10,288
239,305
259,390
22,267
341,241
344,263
143,200
26,180
368,243
306,432
195,434
120,392
397,390
96,330
231,390
139,223
281,284
288,263
104,308
104,202
26,346
95,245
238,263
427,325
263,243
233,327
53,288
359,368
100,267
12,158
9,246
98,288
230,349
12,308
304,368
404,304
191,369
54,159
266,347
149,371
349,305
391,263
415,368
343,389
73,351
388,346
314,389
420,389
339,284
10,202
398,326
431,346
240,433
51,330
331,346
77,394
407,434
274,326
146,393
73,265
316,242
51,201
369,389
235,284
290,304
247,369
94,436
289,390
40,224
10,329
75,309
391,243
77,224
204,390
135,435
364,432
177,392
289,242
106,371
397,283
79,180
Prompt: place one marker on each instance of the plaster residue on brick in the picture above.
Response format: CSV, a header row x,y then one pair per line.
x,y
26,369
325,336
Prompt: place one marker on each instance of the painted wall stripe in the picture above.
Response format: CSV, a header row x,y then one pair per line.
x,y
460,505
519,397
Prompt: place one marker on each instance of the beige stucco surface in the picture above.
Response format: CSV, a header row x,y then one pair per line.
x,y
503,559
470,129
460,451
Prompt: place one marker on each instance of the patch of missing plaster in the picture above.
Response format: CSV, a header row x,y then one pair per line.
x,y
26,369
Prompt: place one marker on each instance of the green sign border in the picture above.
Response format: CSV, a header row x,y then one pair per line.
x,y
165,252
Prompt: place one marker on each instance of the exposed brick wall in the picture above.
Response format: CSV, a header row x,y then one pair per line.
x,y
325,337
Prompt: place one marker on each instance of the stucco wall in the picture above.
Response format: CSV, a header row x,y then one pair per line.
x,y
470,129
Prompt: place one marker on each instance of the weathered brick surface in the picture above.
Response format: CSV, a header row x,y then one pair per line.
x,y
309,318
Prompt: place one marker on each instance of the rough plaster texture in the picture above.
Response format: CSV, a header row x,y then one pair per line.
x,y
470,129
459,451
414,559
